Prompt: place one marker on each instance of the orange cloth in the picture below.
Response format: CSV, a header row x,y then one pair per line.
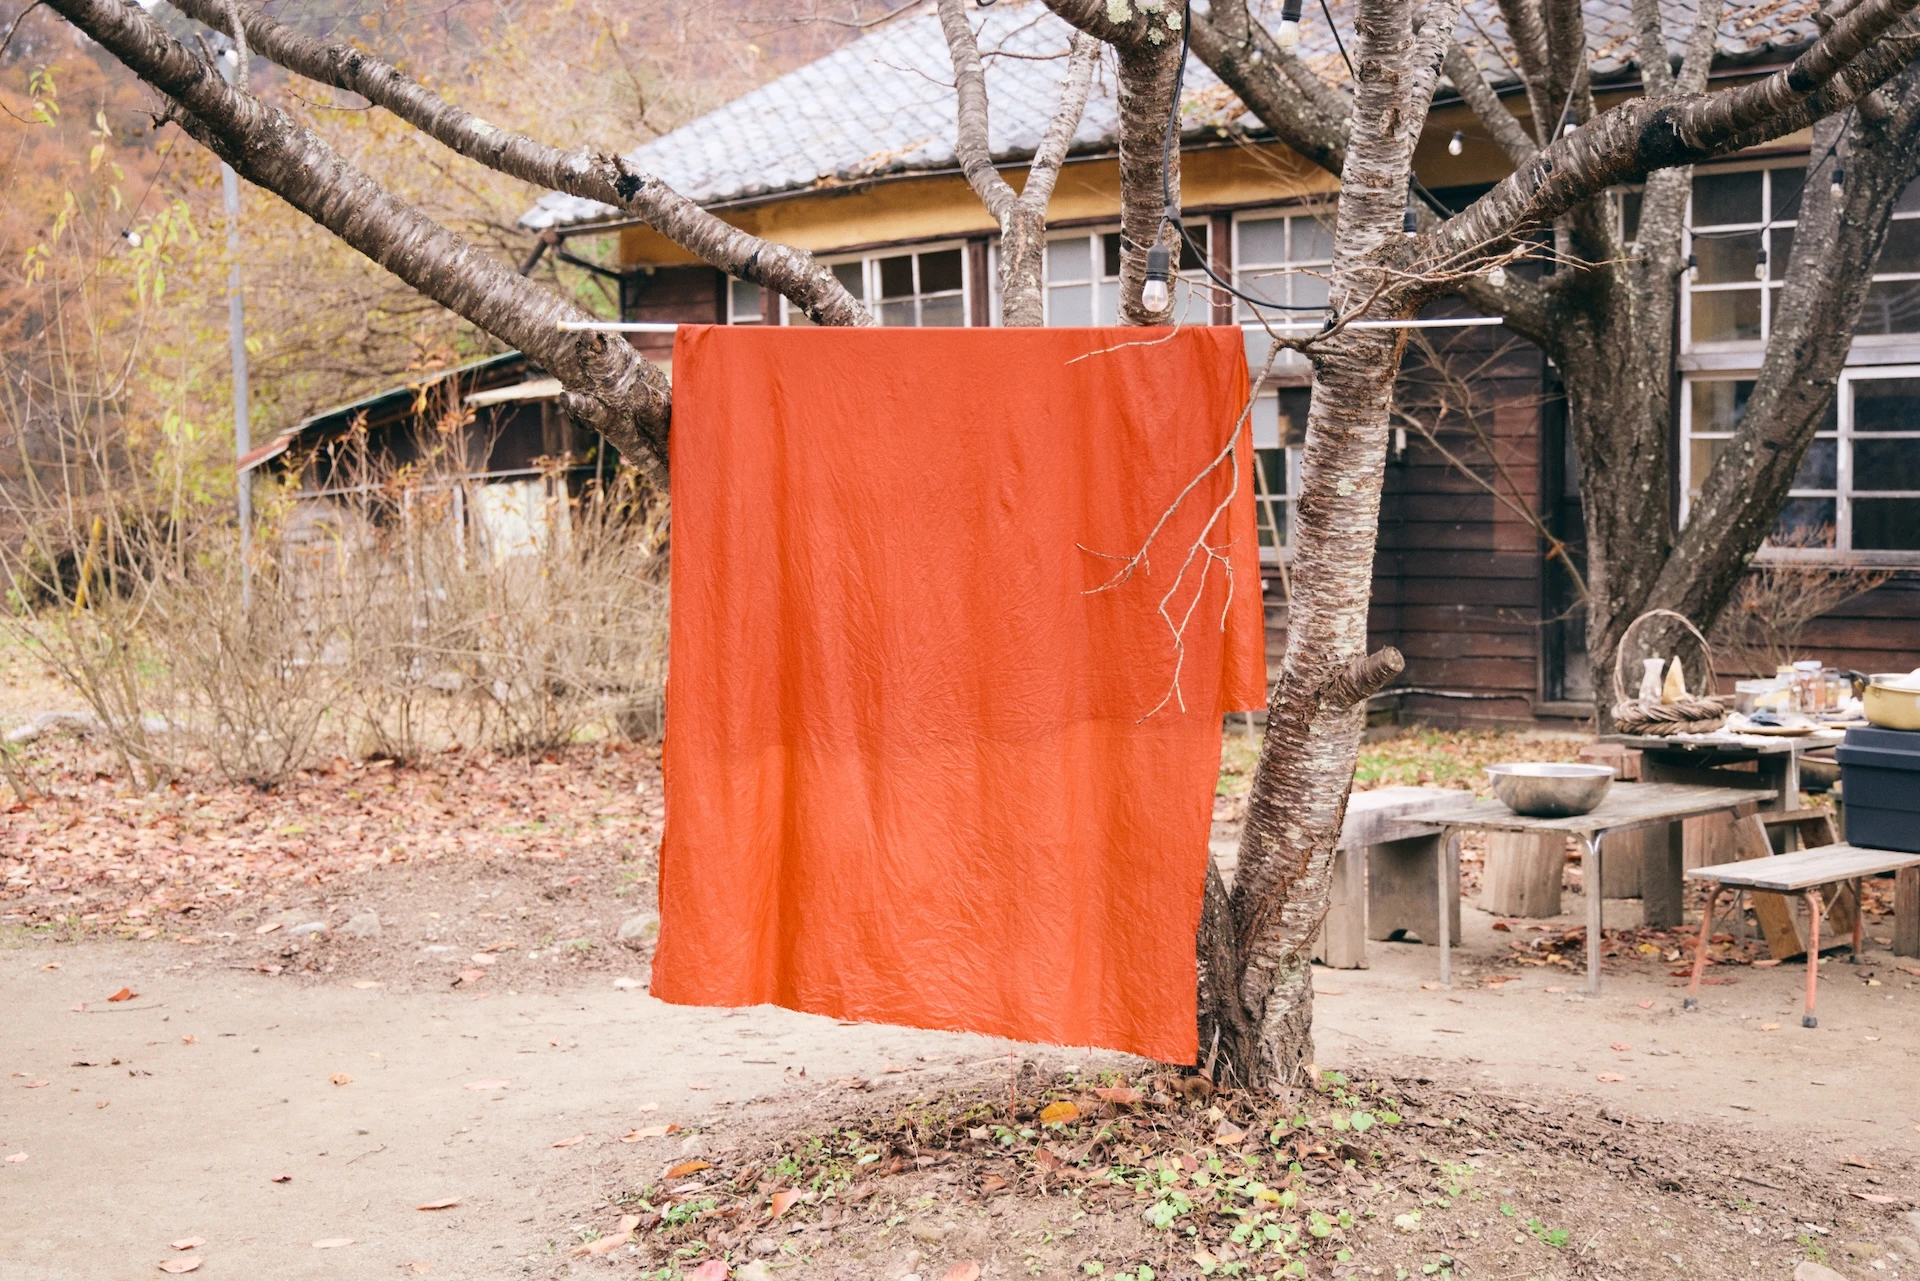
x,y
908,779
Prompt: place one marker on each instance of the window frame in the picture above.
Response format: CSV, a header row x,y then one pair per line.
x,y
869,261
1192,289
1843,493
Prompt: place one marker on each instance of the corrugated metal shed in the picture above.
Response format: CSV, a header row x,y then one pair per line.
x,y
884,104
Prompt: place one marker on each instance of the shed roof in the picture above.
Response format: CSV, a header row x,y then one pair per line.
x,y
884,104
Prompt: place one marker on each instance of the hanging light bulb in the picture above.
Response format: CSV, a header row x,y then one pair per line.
x,y
1457,143
1838,187
131,236
1154,295
1497,277
1288,34
1410,222
1760,264
1693,269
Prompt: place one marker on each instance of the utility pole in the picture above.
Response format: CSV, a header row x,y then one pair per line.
x,y
233,64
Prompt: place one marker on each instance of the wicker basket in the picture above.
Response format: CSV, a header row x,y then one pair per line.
x,y
1694,714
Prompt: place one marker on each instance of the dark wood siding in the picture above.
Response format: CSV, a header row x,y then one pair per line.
x,y
684,295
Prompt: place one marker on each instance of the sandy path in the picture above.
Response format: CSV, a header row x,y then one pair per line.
x,y
180,1140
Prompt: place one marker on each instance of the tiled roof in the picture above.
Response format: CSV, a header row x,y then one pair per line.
x,y
884,104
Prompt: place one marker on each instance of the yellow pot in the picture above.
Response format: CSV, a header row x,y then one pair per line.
x,y
1892,708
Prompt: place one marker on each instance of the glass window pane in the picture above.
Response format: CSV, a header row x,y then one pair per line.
x,y
1110,255
1070,304
1309,290
1701,451
1069,258
1717,405
1294,404
1886,404
1805,522
1786,190
1312,239
1263,240
1886,524
1109,313
1731,315
896,277
950,309
1781,252
1892,307
1268,284
1818,470
1193,247
1264,422
851,278
1726,259
1884,463
746,302
1902,251
1726,197
940,271
1909,200
898,314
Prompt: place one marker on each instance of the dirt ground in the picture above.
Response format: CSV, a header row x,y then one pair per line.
x,y
492,1045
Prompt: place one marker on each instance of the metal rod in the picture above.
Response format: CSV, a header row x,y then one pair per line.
x,y
1463,322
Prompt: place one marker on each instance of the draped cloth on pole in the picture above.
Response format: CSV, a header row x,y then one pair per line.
x,y
914,769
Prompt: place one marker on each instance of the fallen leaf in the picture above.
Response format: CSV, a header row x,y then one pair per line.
x,y
612,1241
1229,1134
711,1270
1119,1094
1645,1005
341,1078
269,927
1059,1113
181,1265
34,1085
445,1203
1769,1027
483,958
332,1243
490,1085
16,1158
644,1132
567,1143
364,984
993,1182
1556,991
967,1271
1621,1046
783,1200
1860,1163
1610,1076
188,1243
1876,1198
281,1178
124,994
420,1267
189,1040
469,976
685,1168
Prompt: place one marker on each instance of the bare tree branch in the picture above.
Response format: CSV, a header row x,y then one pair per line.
x,y
608,179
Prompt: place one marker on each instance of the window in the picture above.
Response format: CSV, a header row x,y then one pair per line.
x,y
1284,259
1279,428
1083,279
1734,216
1858,488
917,289
744,302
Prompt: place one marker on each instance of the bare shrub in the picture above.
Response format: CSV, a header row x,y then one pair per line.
x,y
1761,628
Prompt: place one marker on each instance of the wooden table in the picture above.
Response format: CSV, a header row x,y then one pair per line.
x,y
1806,872
1627,806
1701,758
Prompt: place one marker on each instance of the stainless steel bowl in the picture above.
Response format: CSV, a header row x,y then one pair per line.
x,y
1549,789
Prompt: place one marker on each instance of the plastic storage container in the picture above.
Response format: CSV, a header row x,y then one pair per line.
x,y
1880,774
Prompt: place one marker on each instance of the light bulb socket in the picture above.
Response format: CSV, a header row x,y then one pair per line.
x,y
1153,296
1839,184
1760,265
1693,268
1457,143
1410,221
131,236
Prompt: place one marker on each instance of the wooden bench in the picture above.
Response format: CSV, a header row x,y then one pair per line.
x,y
1383,875
1806,873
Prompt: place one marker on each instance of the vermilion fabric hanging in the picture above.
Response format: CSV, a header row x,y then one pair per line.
x,y
908,775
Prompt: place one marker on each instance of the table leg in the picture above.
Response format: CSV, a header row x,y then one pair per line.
x,y
1859,919
1782,773
1700,950
1590,882
1816,910
1443,859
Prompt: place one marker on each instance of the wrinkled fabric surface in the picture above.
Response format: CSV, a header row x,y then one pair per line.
x,y
910,768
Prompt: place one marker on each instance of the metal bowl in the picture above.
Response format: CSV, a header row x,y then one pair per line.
x,y
1549,789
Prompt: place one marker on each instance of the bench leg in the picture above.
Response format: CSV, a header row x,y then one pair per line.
x,y
1815,908
1590,883
1859,920
1445,859
1700,950
1906,912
